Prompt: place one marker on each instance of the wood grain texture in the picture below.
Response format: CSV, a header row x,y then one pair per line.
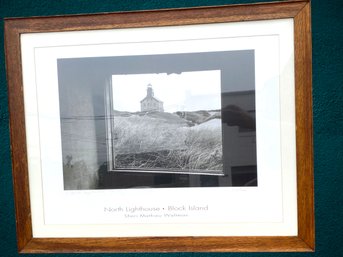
x,y
299,10
18,136
168,244
304,130
167,17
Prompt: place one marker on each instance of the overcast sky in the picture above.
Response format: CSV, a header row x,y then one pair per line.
x,y
188,91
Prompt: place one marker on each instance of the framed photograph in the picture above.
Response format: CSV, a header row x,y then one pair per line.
x,y
162,131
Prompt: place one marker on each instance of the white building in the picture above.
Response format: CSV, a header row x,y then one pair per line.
x,y
150,102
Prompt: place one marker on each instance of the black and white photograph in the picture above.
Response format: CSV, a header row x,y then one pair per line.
x,y
168,122
158,121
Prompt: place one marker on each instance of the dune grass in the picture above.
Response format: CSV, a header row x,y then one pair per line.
x,y
146,142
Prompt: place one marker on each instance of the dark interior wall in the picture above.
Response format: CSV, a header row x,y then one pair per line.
x,y
327,27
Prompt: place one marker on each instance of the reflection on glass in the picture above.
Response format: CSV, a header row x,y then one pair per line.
x,y
172,120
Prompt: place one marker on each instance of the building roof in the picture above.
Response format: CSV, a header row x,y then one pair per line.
x,y
151,97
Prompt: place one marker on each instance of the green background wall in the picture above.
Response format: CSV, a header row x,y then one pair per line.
x,y
327,31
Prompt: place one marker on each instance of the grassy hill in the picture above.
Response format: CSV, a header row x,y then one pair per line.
x,y
182,140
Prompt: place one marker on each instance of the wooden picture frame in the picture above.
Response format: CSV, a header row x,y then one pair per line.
x,y
298,11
